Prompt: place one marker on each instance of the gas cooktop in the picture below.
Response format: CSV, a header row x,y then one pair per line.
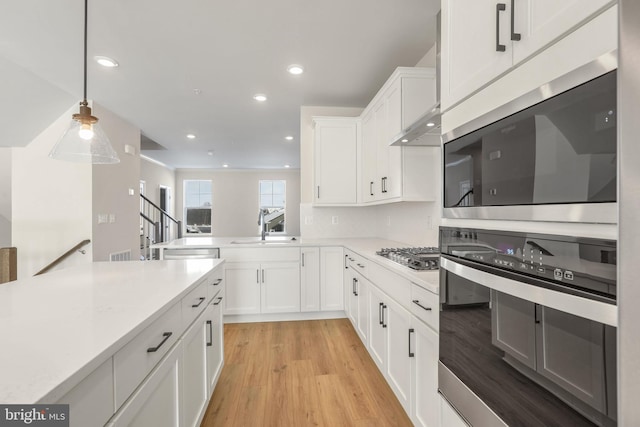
x,y
423,258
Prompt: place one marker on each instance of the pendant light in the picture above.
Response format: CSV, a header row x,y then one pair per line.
x,y
84,140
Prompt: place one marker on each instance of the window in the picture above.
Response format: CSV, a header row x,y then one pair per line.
x,y
272,202
197,206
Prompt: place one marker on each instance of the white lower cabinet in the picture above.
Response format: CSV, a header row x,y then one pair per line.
x,y
377,328
399,366
310,279
242,288
194,370
425,406
215,341
331,266
280,289
157,401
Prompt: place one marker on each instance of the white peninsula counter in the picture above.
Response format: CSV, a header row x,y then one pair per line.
x,y
60,329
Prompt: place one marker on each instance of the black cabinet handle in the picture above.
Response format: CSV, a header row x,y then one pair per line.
x,y
303,259
210,342
217,282
201,299
318,191
417,302
218,301
384,322
346,257
357,286
257,276
411,354
371,188
380,313
514,36
166,336
500,7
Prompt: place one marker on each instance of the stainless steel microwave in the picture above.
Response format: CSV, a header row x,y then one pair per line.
x,y
552,160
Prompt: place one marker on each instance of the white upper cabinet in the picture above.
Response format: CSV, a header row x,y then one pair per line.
x,y
483,39
406,96
335,160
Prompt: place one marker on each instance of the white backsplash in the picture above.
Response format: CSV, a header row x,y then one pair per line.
x,y
412,223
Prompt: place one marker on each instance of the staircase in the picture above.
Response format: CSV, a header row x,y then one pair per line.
x,y
156,226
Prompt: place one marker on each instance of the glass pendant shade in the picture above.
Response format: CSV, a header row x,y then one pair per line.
x,y
84,143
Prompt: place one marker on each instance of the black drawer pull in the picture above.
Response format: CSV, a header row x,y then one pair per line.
x,y
218,301
500,7
514,36
201,299
380,313
210,325
417,302
217,282
166,336
411,353
384,321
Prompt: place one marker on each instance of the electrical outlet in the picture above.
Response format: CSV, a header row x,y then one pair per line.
x,y
308,220
112,218
334,219
103,218
389,220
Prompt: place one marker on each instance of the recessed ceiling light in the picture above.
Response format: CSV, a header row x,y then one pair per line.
x,y
260,97
210,152
430,124
405,140
191,136
288,138
105,61
287,166
295,69
197,91
225,165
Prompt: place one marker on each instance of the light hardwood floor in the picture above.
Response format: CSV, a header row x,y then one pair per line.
x,y
306,373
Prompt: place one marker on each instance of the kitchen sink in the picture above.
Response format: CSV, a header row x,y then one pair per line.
x,y
268,241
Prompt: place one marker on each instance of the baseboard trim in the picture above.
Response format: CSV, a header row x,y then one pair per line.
x,y
282,317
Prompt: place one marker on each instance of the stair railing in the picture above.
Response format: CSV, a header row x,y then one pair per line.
x,y
64,256
156,226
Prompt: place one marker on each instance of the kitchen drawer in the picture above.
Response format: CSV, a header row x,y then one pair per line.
x,y
394,285
215,283
195,302
134,361
261,254
425,306
359,263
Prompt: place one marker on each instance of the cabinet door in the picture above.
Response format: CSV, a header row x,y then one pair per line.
x,y
215,342
469,55
539,22
194,372
157,401
280,287
513,327
370,190
377,329
331,266
390,158
363,286
425,409
398,321
242,282
570,353
335,161
310,279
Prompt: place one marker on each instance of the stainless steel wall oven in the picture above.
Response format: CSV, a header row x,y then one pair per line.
x,y
549,155
528,328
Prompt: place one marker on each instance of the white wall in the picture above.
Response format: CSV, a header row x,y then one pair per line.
x,y
111,185
236,201
412,223
51,202
429,59
318,222
5,197
155,175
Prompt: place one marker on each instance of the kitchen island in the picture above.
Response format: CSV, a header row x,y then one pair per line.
x,y
68,335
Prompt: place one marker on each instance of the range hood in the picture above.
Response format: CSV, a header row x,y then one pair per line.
x,y
425,131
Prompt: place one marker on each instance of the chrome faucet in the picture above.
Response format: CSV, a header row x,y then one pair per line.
x,y
262,223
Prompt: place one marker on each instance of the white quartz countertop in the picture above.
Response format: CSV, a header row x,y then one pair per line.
x,y
58,327
365,247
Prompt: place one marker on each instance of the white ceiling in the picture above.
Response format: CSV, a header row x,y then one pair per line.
x,y
229,50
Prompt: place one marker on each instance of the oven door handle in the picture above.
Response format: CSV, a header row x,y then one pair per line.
x,y
595,310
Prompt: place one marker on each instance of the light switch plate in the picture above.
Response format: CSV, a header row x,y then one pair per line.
x,y
334,219
103,218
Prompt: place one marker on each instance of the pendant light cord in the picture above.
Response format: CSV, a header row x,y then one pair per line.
x,y
86,2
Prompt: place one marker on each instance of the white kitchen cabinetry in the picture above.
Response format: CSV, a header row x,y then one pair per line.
x,y
331,266
336,160
310,279
479,42
194,372
377,328
407,95
215,341
157,401
425,410
399,367
262,280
